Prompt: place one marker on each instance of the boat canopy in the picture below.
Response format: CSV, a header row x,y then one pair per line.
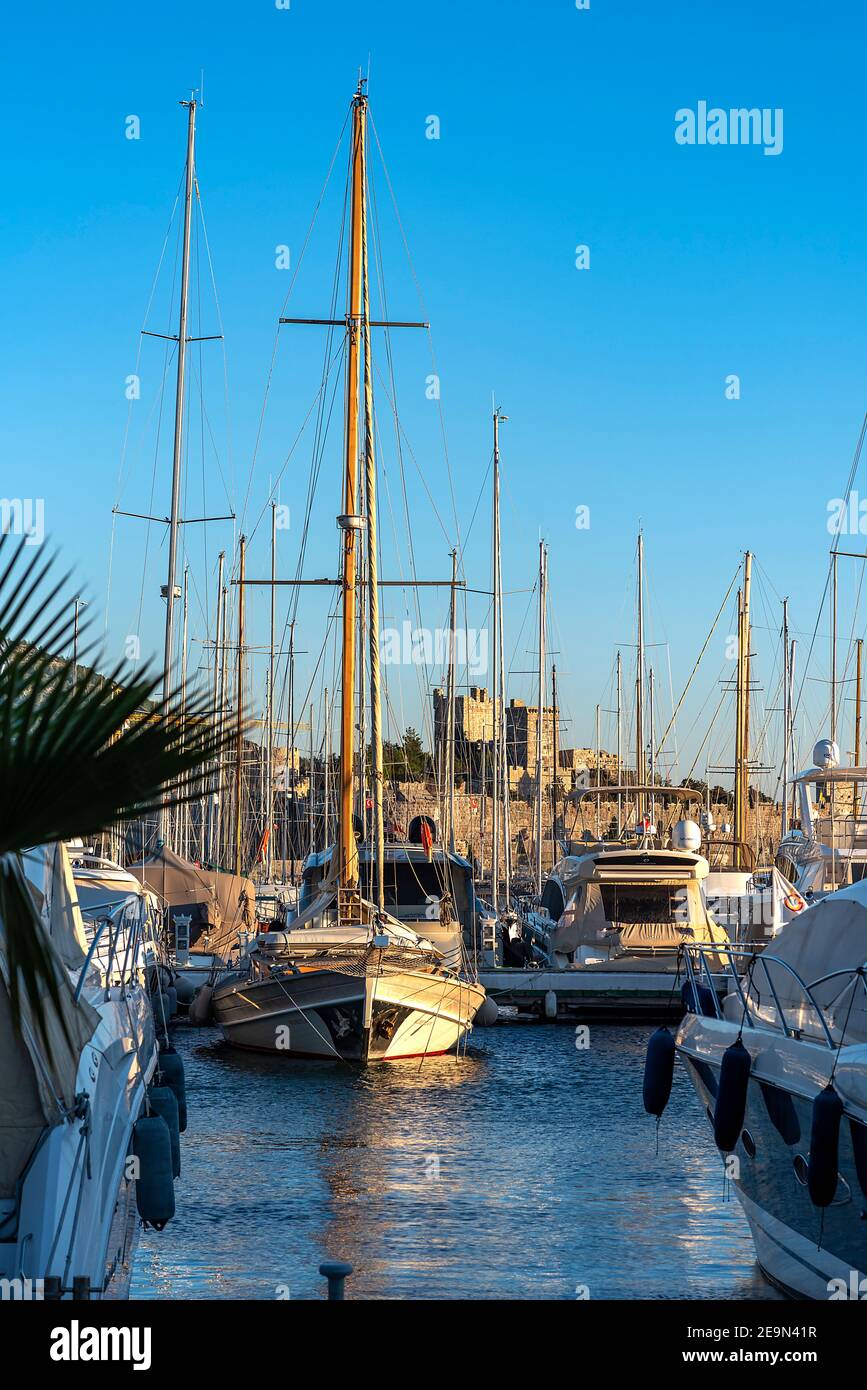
x,y
634,900
828,939
219,904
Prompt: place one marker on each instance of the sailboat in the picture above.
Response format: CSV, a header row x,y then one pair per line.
x,y
348,980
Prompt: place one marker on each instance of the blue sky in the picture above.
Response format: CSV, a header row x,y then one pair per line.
x,y
557,128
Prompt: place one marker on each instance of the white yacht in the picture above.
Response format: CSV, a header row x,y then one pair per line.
x,y
828,849
798,1123
615,918
70,1098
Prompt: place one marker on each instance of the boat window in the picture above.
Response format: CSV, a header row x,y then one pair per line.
x,y
407,884
552,899
631,903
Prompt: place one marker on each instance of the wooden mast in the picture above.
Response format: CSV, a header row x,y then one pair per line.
x,y
449,837
377,789
350,521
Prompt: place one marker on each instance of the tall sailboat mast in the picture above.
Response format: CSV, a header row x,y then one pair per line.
x,y
213,851
174,516
450,722
350,522
239,713
498,712
372,543
540,721
742,720
639,682
269,770
619,743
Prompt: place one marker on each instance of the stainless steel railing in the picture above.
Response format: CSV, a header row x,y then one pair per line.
x,y
698,972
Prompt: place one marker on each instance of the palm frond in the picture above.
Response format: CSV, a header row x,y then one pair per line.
x,y
78,752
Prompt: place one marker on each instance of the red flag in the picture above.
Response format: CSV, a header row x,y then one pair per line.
x,y
426,839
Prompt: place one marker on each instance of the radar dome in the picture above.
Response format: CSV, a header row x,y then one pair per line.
x,y
686,835
826,754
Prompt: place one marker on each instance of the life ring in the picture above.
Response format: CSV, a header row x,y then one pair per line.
x,y
794,902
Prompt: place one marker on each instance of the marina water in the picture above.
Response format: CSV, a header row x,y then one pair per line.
x,y
525,1169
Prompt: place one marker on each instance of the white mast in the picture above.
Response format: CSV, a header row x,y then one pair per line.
x,y
540,720
269,771
498,740
619,743
639,681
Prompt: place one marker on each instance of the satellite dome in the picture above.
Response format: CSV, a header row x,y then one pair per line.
x,y
686,835
826,754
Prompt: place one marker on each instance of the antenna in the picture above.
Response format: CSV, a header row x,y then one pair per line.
x,y
202,87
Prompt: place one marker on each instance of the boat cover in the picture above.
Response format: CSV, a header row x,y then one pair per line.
x,y
830,935
38,1080
220,905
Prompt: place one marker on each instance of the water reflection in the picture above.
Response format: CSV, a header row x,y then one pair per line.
x,y
521,1170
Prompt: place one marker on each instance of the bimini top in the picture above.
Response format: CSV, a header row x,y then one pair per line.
x,y
832,774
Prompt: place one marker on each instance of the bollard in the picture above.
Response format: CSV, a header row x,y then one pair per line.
x,y
51,1291
335,1272
80,1288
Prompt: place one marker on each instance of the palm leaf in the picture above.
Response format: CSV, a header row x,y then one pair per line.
x,y
78,752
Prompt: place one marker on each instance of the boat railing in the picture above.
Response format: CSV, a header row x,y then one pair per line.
x,y
697,961
117,963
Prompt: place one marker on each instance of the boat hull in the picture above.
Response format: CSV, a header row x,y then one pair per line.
x,y
803,1251
336,1015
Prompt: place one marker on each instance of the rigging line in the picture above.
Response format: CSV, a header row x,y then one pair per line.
x,y
292,609
399,427
198,376
282,314
835,548
149,524
167,357
225,355
320,431
287,460
479,498
148,306
659,746
424,316
123,457
392,400
704,741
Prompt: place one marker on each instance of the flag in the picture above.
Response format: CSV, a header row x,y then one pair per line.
x,y
427,839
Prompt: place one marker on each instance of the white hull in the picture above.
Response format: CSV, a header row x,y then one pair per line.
x,y
74,1218
798,1247
329,1014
